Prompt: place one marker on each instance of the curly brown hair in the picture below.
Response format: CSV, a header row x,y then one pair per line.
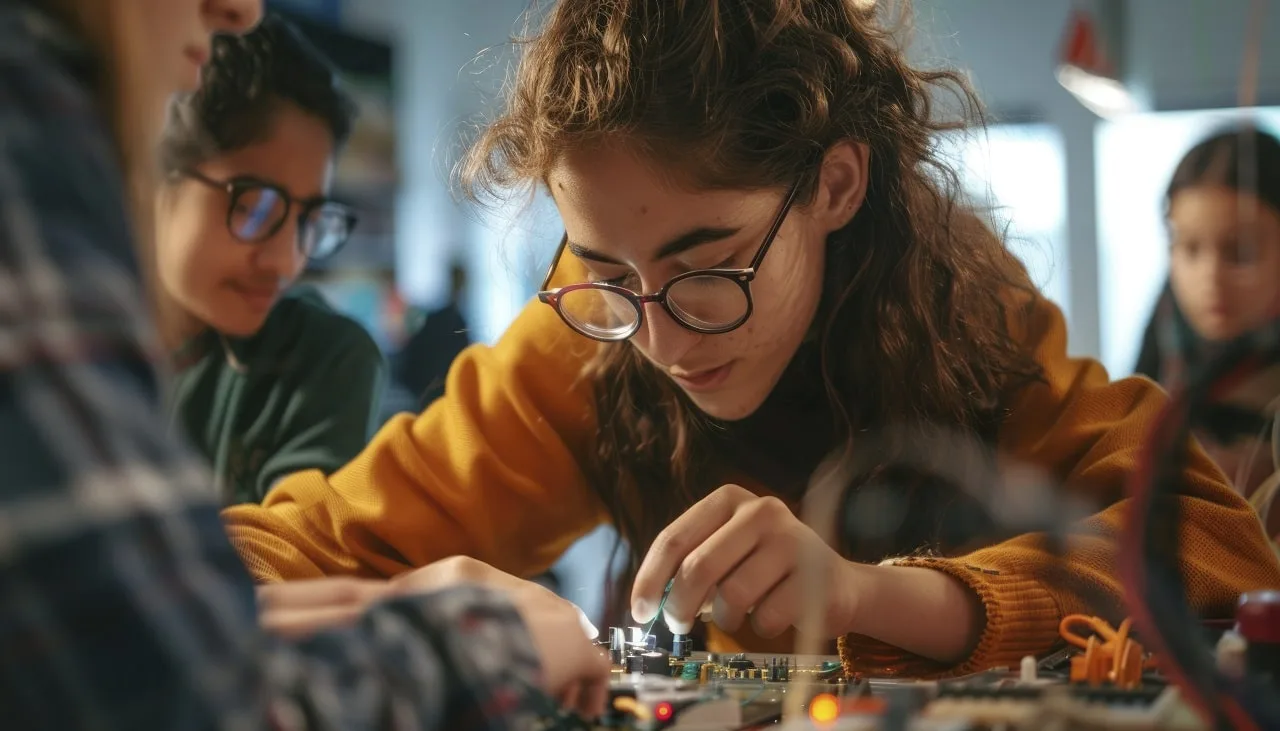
x,y
738,94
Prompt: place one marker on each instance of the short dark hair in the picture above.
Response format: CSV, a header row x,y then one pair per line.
x,y
241,88
1241,157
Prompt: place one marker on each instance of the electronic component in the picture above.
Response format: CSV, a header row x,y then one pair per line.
x,y
1030,707
680,646
1028,672
1258,624
1230,655
1110,655
660,702
779,672
736,692
655,689
650,662
617,645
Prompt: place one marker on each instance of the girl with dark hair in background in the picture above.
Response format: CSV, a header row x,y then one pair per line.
x,y
764,264
1223,211
267,382
423,363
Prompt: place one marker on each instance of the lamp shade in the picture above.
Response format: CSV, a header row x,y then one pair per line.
x,y
1088,58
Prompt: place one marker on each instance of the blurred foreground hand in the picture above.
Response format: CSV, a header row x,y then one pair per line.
x,y
574,671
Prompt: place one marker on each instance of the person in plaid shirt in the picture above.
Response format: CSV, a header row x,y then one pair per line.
x,y
122,604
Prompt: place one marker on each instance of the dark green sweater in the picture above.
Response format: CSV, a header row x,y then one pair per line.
x,y
302,393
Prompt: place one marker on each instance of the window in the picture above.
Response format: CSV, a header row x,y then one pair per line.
x,y
509,249
1017,172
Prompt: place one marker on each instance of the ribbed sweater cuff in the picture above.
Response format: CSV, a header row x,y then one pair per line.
x,y
1021,619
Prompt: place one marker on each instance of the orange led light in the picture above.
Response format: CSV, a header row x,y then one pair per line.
x,y
824,708
664,711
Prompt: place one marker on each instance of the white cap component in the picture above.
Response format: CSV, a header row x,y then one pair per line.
x,y
1028,671
1231,654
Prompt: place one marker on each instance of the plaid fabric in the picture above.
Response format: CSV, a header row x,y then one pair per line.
x,y
122,604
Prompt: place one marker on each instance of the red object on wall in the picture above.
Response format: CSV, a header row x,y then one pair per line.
x,y
1082,46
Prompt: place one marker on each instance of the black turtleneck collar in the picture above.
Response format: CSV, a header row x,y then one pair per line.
x,y
782,443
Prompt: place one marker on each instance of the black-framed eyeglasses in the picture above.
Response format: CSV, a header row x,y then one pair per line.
x,y
707,301
256,210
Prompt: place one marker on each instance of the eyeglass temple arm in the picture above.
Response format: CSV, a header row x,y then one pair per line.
x,y
555,260
777,224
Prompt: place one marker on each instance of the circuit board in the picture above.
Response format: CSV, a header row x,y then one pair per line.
x,y
652,690
718,691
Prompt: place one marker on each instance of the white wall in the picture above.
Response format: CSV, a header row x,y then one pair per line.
x,y
1188,54
1013,73
1018,173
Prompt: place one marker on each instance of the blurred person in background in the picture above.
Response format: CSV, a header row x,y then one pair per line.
x,y
424,361
1223,214
125,605
268,380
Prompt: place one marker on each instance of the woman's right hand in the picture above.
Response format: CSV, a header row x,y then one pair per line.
x,y
574,671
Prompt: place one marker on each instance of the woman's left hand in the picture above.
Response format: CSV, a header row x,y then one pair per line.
x,y
740,552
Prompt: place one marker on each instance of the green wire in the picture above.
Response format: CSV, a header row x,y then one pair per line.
x,y
661,605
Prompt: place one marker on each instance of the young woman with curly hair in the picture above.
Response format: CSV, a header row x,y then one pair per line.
x,y
764,263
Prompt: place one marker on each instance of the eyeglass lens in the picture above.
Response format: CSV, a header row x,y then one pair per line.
x,y
258,211
701,302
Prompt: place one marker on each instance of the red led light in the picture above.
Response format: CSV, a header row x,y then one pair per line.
x,y
664,711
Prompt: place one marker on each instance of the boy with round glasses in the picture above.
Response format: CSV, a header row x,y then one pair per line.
x,y
268,380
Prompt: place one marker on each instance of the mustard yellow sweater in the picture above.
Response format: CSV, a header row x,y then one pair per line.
x,y
492,471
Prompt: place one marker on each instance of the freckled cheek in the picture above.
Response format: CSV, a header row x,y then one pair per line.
x,y
784,297
795,294
778,322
